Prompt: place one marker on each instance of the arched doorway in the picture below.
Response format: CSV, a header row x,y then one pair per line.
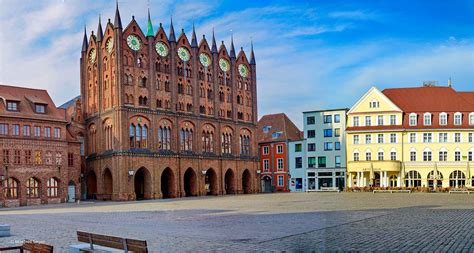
x,y
412,179
457,179
142,184
393,181
211,182
229,181
91,182
266,184
190,183
167,184
246,182
108,184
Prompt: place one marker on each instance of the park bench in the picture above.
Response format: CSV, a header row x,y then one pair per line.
x,y
459,191
137,246
392,191
325,189
30,246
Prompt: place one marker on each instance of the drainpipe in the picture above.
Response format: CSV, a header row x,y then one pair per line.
x,y
272,157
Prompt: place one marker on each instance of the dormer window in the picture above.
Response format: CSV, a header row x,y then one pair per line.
x,y
427,119
458,119
412,119
471,118
12,106
443,119
266,129
39,108
276,134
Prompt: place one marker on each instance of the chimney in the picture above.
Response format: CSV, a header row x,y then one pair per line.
x,y
450,83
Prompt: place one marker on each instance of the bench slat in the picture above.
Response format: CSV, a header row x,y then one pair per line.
x,y
113,242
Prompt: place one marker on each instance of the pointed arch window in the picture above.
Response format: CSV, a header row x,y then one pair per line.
x,y
12,188
32,188
244,145
132,135
186,139
207,142
53,188
226,140
164,138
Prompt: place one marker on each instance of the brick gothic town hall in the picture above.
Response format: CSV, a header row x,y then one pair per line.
x,y
166,118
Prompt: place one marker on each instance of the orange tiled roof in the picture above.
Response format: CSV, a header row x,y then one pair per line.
x,y
434,100
27,97
279,123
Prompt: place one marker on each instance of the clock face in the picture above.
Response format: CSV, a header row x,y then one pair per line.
x,y
183,54
243,71
109,45
92,55
224,64
205,60
161,49
134,42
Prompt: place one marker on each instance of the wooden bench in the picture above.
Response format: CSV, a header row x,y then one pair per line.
x,y
30,246
124,244
392,191
460,191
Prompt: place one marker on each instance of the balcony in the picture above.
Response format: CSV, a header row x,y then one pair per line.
x,y
356,166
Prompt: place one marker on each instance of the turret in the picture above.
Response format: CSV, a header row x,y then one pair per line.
x,y
214,45
149,31
100,34
84,41
194,43
232,49
172,37
252,55
118,21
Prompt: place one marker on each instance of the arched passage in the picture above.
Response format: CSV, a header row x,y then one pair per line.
x,y
211,182
108,184
246,182
91,182
229,182
142,183
190,183
167,184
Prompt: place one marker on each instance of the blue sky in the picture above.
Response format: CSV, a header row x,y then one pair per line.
x,y
310,54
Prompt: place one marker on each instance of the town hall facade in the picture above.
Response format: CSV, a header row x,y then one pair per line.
x,y
165,117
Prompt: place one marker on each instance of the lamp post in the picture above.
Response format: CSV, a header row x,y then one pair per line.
x,y
2,188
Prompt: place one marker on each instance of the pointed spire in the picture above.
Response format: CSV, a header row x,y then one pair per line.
x,y
118,21
194,42
232,49
100,34
84,41
172,37
149,32
214,46
252,55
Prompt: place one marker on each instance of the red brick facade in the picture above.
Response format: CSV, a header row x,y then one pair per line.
x,y
274,131
39,159
158,126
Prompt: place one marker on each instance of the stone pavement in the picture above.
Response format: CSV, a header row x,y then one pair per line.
x,y
281,222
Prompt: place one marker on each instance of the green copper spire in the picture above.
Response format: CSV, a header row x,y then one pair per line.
x,y
149,31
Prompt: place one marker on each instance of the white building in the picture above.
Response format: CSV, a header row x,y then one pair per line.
x,y
323,151
297,165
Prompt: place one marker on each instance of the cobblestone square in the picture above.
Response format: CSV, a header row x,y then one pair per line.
x,y
417,222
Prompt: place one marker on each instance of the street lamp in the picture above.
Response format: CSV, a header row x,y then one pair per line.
x,y
131,172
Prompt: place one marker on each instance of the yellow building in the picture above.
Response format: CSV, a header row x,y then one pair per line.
x,y
411,137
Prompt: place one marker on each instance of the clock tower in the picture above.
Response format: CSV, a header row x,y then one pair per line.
x,y
166,117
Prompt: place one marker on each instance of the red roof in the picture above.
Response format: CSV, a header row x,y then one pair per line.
x,y
277,123
431,99
434,100
27,98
